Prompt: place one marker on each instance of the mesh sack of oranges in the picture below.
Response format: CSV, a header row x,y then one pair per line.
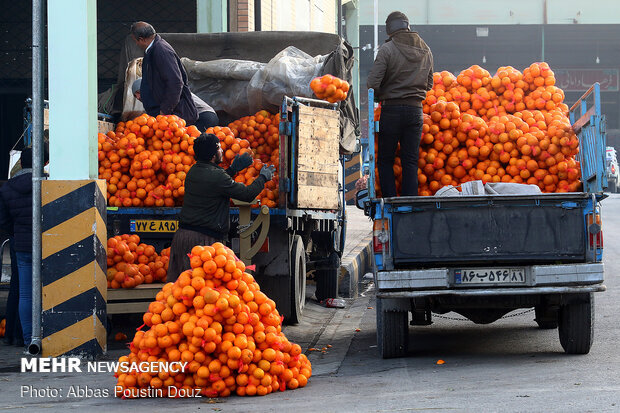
x,y
145,160
215,318
509,127
330,88
131,263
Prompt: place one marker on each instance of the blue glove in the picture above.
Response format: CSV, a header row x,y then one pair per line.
x,y
241,162
267,172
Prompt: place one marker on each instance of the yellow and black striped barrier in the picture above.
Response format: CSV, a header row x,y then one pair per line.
x,y
351,174
73,274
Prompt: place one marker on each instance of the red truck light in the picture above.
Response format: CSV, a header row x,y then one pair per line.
x,y
380,230
595,231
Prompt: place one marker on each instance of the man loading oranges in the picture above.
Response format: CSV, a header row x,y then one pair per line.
x,y
401,75
204,217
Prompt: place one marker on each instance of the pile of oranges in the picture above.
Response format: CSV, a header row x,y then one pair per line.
x,y
509,127
215,318
261,131
131,263
330,88
144,161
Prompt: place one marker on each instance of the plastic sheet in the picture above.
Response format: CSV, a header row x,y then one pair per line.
x,y
288,74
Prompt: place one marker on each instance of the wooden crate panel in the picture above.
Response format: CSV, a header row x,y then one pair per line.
x,y
317,197
133,300
102,126
318,179
318,163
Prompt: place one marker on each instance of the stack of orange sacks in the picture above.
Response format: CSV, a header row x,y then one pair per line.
x,y
510,127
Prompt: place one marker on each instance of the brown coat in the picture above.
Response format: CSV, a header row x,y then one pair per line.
x,y
403,70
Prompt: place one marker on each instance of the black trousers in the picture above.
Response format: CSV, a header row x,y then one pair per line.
x,y
399,124
206,120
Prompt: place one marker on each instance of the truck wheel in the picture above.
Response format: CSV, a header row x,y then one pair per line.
x,y
298,280
327,280
576,324
547,320
392,332
613,186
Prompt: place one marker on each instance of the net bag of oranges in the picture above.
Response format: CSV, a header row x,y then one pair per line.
x,y
509,127
214,318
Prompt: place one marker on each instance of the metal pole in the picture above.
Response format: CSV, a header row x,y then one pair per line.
x,y
339,8
37,168
376,23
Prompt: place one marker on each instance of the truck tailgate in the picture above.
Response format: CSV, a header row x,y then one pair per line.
x,y
489,229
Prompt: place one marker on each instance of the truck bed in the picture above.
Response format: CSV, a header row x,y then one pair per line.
x,y
494,229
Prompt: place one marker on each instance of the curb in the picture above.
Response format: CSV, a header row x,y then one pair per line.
x,y
353,267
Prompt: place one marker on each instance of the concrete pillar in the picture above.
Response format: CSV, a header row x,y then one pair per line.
x,y
73,276
212,16
73,200
72,74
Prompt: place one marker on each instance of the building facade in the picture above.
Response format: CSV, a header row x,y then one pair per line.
x,y
578,39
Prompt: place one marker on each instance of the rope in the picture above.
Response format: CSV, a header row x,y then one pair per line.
x,y
466,319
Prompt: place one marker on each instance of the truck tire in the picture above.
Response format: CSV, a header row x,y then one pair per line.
x,y
392,332
327,280
613,186
298,280
576,324
546,320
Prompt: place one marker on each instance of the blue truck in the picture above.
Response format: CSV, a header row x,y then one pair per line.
x,y
487,255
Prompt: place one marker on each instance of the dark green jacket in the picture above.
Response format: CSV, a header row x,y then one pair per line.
x,y
206,204
403,70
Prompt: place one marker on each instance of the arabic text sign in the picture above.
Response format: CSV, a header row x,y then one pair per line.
x,y
580,80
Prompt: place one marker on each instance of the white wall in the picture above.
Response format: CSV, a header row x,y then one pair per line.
x,y
488,12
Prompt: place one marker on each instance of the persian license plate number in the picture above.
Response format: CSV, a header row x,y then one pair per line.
x,y
504,276
153,225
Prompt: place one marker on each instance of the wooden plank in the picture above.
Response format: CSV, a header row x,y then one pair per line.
x,y
140,292
102,126
311,142
317,197
326,180
127,308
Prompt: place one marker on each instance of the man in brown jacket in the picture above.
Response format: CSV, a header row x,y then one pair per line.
x,y
401,75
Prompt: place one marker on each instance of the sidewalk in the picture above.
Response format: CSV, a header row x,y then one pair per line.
x,y
356,257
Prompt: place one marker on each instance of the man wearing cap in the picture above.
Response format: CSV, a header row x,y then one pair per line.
x,y
401,75
206,114
164,89
204,217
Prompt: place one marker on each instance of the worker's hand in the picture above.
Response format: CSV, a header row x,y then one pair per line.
x,y
267,172
241,162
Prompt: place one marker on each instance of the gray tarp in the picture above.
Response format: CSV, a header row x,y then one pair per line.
x,y
261,47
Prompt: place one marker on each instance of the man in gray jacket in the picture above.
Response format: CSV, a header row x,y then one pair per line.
x,y
401,75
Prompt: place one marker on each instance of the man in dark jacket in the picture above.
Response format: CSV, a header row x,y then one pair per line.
x,y
401,75
16,219
204,217
164,89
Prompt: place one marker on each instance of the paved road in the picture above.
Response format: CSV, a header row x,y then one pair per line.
x,y
509,365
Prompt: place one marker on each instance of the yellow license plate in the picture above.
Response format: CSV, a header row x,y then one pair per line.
x,y
153,225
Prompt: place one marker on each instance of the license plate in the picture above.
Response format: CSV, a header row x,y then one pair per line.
x,y
153,225
503,276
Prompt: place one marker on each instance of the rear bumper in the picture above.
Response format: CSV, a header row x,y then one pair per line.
x,y
541,279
